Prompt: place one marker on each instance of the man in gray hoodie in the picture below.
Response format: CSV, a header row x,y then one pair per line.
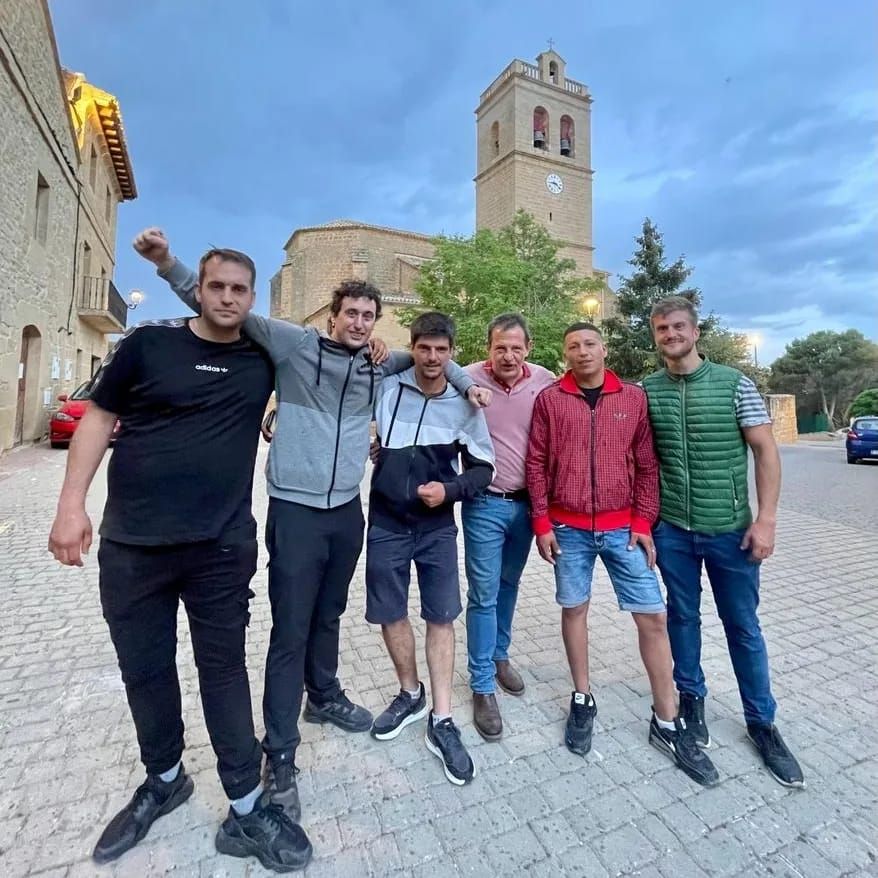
x,y
325,388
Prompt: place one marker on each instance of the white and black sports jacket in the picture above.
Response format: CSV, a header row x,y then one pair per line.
x,y
422,439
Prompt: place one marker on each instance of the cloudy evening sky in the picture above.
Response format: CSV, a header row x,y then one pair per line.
x,y
747,131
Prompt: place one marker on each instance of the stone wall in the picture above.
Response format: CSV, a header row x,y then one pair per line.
x,y
782,409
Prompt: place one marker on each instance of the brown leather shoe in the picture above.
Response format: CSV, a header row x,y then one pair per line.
x,y
486,716
509,679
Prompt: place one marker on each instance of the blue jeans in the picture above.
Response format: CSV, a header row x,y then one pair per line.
x,y
636,586
497,537
734,579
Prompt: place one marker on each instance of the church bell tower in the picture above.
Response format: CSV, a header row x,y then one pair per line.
x,y
534,153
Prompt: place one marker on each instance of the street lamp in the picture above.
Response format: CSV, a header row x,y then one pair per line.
x,y
590,306
135,297
754,339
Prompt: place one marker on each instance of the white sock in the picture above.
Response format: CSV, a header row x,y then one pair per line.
x,y
437,718
414,694
171,773
245,804
665,724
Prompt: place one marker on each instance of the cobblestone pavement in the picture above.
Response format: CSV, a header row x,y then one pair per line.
x,y
68,757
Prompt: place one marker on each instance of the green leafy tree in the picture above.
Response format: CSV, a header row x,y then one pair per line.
x,y
865,403
826,370
475,278
628,333
722,345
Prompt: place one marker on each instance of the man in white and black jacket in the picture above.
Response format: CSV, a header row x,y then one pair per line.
x,y
424,427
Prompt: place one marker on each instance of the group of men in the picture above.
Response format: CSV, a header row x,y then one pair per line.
x,y
578,462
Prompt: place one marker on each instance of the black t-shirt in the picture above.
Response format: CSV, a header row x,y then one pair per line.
x,y
592,394
190,410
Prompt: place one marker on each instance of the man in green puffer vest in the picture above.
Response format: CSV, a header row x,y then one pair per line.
x,y
704,416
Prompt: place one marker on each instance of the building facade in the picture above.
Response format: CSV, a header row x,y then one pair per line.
x,y
533,153
64,169
318,259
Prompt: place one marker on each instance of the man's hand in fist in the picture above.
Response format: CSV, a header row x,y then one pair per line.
x,y
152,244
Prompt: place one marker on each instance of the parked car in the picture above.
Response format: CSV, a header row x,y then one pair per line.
x,y
64,422
862,439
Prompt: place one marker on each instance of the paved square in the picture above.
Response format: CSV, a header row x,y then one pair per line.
x,y
68,757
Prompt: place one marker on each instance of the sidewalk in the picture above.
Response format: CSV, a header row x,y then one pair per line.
x,y
68,758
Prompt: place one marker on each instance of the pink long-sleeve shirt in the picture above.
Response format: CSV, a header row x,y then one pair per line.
x,y
509,416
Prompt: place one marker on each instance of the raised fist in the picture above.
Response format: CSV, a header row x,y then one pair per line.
x,y
152,244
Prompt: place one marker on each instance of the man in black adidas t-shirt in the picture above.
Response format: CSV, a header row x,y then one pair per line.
x,y
190,395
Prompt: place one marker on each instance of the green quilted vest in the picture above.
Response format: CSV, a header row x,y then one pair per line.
x,y
701,449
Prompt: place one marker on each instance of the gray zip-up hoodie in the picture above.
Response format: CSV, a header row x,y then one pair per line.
x,y
325,396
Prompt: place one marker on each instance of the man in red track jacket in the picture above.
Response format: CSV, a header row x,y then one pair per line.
x,y
592,475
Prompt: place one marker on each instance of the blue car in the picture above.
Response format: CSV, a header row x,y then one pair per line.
x,y
862,439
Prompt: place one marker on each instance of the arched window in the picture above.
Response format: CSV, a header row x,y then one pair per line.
x,y
553,72
541,128
495,139
568,139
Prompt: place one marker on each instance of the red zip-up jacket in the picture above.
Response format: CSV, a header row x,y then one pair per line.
x,y
592,470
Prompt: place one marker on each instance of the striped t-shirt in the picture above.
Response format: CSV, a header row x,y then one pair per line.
x,y
750,408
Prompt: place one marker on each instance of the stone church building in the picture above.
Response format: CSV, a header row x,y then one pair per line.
x,y
533,128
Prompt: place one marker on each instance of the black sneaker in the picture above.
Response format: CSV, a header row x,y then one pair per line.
x,y
341,712
776,755
443,741
280,782
692,714
681,745
266,833
152,799
580,723
401,712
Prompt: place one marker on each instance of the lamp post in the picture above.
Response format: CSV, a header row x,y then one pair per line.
x,y
590,306
135,297
753,339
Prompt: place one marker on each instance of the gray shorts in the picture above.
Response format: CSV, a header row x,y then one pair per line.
x,y
389,557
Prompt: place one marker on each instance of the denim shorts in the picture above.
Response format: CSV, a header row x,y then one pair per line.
x,y
636,586
389,557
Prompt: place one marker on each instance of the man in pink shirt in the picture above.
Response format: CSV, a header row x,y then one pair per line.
x,y
496,524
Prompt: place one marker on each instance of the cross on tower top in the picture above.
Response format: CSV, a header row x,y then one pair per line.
x,y
551,44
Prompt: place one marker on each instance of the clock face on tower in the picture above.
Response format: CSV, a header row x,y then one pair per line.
x,y
554,184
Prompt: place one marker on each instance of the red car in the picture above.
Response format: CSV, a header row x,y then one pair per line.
x,y
64,422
